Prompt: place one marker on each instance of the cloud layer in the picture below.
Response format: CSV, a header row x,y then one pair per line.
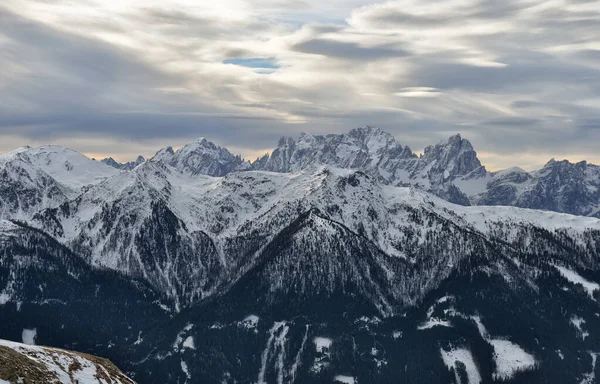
x,y
521,79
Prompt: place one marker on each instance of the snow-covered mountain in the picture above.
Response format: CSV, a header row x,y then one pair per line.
x,y
128,166
202,157
188,234
559,186
449,169
378,153
32,179
22,363
305,266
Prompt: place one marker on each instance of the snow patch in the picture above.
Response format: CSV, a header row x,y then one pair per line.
x,y
577,322
510,359
590,378
189,343
185,369
249,322
464,356
323,346
575,278
28,336
276,344
4,298
322,343
434,323
344,379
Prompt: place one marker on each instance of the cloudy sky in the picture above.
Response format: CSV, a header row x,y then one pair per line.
x,y
520,79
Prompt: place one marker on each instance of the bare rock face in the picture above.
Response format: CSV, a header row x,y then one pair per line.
x,y
21,363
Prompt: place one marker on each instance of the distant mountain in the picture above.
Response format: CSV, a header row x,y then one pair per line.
x,y
123,166
378,153
449,169
559,186
202,157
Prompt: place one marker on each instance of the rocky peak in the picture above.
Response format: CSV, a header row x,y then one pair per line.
x,y
123,166
202,157
112,162
362,148
452,157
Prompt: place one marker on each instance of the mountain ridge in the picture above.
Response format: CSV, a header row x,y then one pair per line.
x,y
449,169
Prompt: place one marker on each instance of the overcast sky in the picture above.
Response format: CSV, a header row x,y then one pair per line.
x,y
520,79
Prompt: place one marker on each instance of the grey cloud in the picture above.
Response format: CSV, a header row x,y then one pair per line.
x,y
591,54
526,68
393,15
523,104
513,122
399,18
346,50
81,86
589,124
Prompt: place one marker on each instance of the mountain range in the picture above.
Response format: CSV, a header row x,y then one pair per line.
x,y
449,169
339,258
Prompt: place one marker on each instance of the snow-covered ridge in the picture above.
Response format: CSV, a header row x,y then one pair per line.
x,y
108,221
449,169
66,166
35,364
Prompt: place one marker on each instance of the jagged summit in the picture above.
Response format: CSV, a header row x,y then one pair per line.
x,y
202,157
449,169
124,166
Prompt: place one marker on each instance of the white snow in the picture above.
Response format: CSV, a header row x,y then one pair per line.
x,y
322,343
464,356
297,360
189,343
575,278
590,378
577,322
482,331
7,226
180,344
185,369
434,322
4,298
69,167
28,336
249,322
275,344
322,346
344,379
510,358
474,186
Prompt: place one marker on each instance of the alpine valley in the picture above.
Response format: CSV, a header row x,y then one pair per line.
x,y
340,258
